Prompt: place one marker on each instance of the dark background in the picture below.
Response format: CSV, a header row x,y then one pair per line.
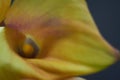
x,y
106,14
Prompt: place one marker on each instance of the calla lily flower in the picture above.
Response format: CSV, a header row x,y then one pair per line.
x,y
50,40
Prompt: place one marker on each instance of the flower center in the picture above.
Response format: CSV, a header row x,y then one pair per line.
x,y
29,49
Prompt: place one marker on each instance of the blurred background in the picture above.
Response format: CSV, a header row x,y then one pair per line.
x,y
106,14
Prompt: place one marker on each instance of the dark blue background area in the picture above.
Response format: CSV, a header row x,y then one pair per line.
x,y
106,14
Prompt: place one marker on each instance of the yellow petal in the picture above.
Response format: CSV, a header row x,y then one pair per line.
x,y
4,5
69,41
12,67
24,15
